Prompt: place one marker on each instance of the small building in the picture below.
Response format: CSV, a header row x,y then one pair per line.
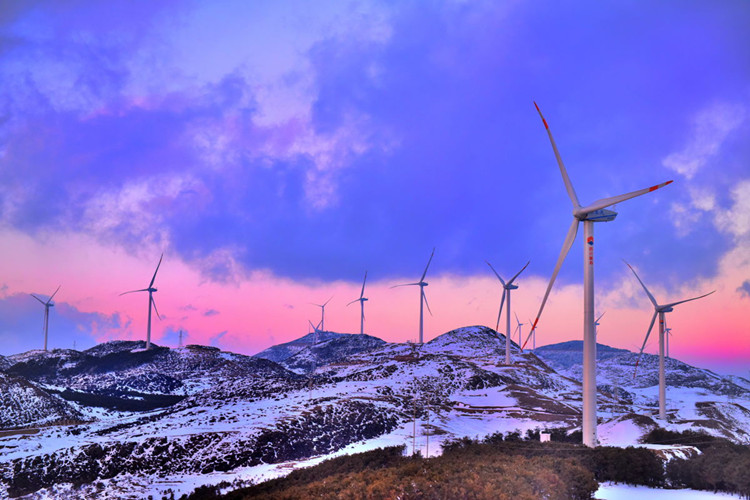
x,y
544,437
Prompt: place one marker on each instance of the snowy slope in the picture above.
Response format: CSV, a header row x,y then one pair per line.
x,y
697,399
24,404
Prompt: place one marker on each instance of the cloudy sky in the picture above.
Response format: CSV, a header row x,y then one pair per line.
x,y
275,151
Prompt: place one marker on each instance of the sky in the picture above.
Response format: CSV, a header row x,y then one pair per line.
x,y
275,151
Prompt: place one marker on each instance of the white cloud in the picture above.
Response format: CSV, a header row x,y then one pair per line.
x,y
736,220
711,127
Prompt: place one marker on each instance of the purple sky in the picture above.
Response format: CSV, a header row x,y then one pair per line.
x,y
274,151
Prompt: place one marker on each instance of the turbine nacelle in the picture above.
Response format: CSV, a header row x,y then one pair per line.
x,y
600,215
510,286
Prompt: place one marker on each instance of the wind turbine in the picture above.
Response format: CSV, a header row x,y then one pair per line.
x,y
361,301
46,305
519,328
507,287
316,330
150,289
668,333
595,212
422,297
533,339
596,323
322,313
659,310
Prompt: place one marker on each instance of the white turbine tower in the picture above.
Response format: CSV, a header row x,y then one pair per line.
x,y
322,313
595,212
659,310
46,305
422,297
361,301
150,289
507,287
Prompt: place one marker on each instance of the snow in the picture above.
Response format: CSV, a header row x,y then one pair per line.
x,y
611,491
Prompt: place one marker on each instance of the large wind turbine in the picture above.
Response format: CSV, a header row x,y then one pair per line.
x,y
150,289
322,313
659,310
361,301
507,287
422,298
46,305
595,212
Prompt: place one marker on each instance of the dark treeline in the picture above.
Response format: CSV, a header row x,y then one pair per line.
x,y
722,465
509,466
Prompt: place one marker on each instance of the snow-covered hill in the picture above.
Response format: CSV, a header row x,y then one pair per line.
x,y
280,352
232,416
330,351
696,398
24,404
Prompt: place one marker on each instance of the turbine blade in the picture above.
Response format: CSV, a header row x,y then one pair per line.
x,y
688,300
37,298
517,320
569,239
352,302
133,291
600,317
428,265
157,270
404,284
51,296
362,293
606,202
425,302
563,171
519,272
496,274
648,332
650,297
500,312
326,302
155,309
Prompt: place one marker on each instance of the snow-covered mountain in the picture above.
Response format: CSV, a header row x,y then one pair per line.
x,y
206,415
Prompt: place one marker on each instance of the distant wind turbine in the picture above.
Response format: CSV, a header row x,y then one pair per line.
x,y
595,212
46,305
150,289
533,339
507,287
322,306
667,334
659,310
596,323
519,328
361,301
422,297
